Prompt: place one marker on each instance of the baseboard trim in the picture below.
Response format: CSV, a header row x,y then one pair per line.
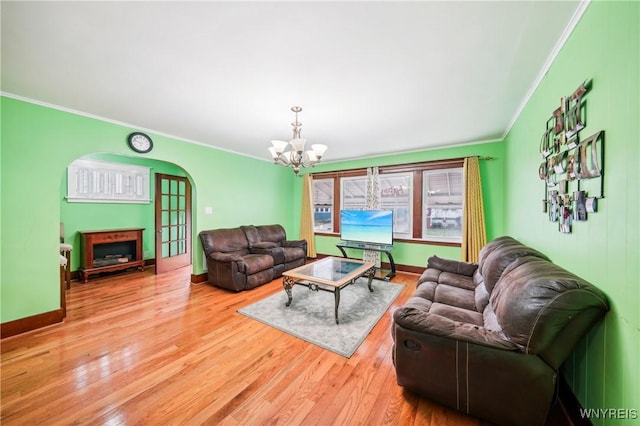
x,y
199,278
23,325
385,265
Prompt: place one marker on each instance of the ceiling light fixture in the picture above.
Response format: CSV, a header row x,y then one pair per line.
x,y
296,157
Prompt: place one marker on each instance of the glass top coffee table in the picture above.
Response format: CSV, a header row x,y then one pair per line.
x,y
329,274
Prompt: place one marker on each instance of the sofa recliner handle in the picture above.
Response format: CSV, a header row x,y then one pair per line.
x,y
412,345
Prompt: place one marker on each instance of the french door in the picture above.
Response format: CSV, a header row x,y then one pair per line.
x,y
173,222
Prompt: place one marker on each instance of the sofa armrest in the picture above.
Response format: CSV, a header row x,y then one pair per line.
x,y
271,249
264,245
421,321
294,243
453,266
225,257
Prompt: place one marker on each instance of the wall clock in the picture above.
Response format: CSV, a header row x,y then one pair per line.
x,y
140,142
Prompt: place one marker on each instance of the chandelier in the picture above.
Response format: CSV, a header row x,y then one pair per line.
x,y
292,153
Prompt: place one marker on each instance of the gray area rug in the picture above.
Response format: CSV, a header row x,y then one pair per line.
x,y
311,314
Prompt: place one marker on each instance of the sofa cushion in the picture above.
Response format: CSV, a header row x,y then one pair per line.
x,y
457,314
460,281
272,233
231,240
293,253
442,277
499,256
490,320
429,274
454,266
419,303
455,296
251,233
491,246
426,290
255,263
481,296
259,278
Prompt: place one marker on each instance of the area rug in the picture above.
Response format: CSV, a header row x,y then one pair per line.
x,y
310,316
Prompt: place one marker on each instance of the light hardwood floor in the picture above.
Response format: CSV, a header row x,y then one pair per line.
x,y
137,348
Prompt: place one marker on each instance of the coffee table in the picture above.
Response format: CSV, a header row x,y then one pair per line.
x,y
329,274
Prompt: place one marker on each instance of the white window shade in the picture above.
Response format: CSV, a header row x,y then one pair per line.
x,y
443,204
91,181
323,205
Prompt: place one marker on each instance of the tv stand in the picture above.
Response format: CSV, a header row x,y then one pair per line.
x,y
380,274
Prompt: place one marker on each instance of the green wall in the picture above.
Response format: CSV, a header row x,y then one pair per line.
x,y
413,254
604,371
38,143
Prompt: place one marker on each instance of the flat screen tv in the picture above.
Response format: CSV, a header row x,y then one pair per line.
x,y
367,226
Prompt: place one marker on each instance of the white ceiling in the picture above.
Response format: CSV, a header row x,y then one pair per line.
x,y
371,77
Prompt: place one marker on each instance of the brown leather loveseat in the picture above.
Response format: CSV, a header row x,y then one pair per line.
x,y
488,339
248,256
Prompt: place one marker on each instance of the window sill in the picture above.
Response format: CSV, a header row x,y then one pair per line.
x,y
403,240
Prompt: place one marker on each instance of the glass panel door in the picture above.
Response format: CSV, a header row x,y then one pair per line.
x,y
173,222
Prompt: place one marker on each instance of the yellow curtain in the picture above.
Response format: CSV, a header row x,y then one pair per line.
x,y
306,222
474,235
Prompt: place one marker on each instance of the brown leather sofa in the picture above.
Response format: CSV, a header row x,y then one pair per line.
x,y
248,256
488,339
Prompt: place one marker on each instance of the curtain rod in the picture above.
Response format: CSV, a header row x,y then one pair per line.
x,y
395,168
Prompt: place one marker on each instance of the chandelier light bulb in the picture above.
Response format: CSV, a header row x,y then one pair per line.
x,y
298,144
279,146
319,149
273,152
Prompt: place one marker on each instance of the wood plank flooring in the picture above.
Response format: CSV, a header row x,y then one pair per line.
x,y
137,348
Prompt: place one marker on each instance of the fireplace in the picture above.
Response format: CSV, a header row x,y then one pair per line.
x,y
110,250
113,253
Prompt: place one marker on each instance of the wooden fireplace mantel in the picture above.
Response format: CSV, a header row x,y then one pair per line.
x,y
91,239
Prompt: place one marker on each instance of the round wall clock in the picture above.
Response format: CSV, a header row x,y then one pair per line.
x,y
140,142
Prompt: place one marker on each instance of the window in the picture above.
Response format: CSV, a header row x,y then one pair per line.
x,y
92,181
442,203
396,194
354,193
426,199
323,205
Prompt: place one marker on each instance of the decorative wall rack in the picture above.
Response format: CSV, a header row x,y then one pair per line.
x,y
568,161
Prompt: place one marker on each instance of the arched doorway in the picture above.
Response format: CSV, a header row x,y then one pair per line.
x,y
82,216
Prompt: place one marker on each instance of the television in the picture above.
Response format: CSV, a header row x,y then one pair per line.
x,y
367,226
